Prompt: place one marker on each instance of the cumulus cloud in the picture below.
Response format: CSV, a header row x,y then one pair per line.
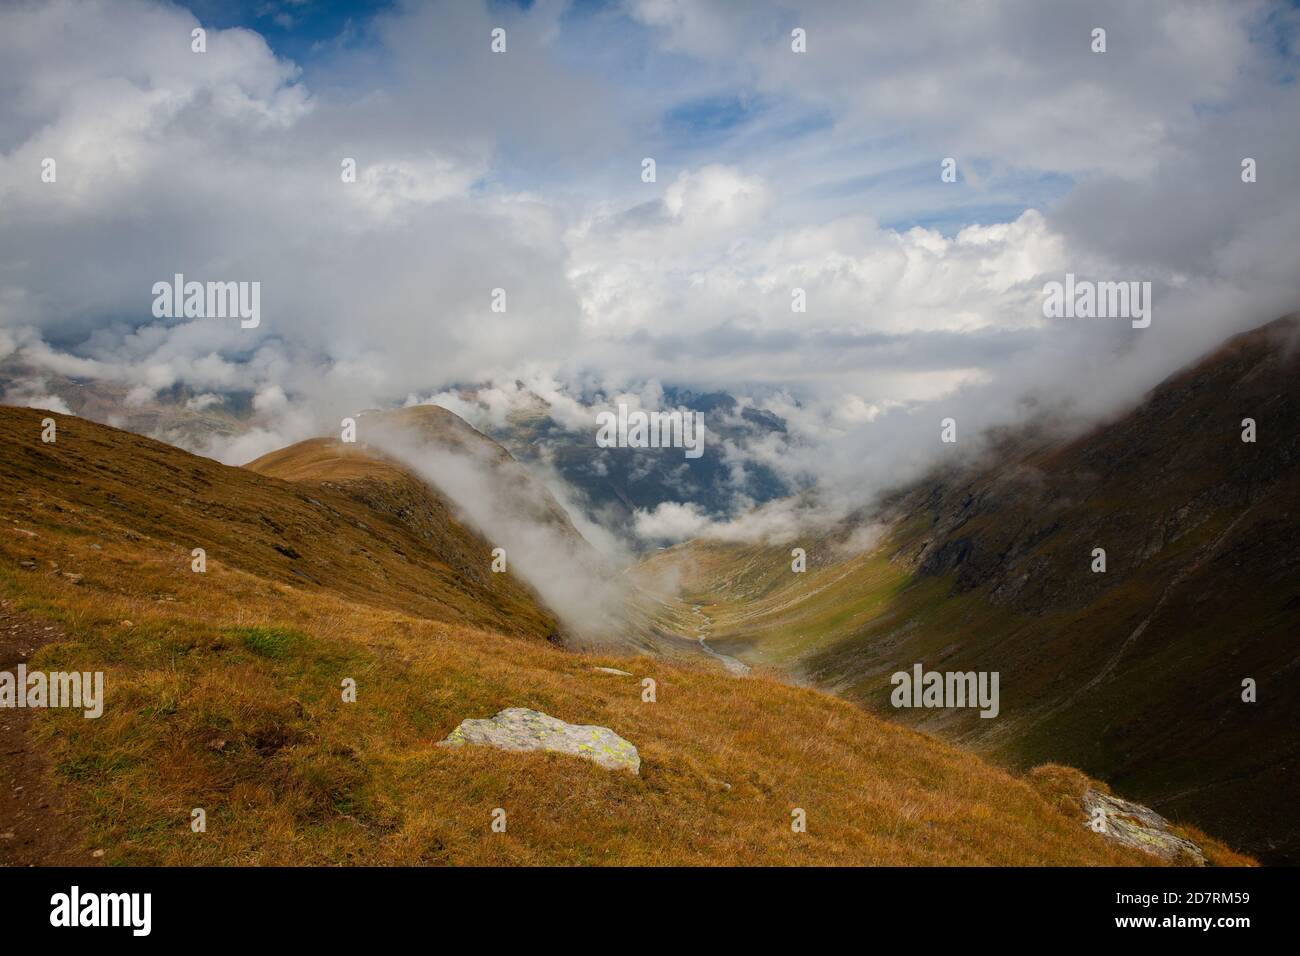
x,y
671,521
777,172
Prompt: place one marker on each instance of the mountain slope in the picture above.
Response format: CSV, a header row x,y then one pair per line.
x,y
123,487
499,497
1136,674
223,693
431,426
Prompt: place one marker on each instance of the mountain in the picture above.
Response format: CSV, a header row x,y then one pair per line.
x,y
613,485
384,484
177,415
1136,674
226,691
402,455
316,537
606,490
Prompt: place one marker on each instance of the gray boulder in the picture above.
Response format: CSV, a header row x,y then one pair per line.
x,y
1133,825
521,729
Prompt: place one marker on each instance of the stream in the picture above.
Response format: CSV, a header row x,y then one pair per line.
x,y
734,666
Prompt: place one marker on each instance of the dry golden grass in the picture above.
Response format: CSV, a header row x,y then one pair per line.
x,y
382,539
223,692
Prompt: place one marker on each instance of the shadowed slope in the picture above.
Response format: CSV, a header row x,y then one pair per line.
x,y
1135,674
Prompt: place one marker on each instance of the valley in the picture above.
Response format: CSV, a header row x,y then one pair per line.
x,y
1135,675
222,692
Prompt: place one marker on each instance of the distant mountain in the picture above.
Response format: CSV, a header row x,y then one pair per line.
x,y
177,415
611,483
616,482
1135,674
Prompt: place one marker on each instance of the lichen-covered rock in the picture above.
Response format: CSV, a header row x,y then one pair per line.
x,y
521,729
1133,825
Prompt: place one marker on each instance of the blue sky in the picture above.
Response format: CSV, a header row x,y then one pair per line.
x,y
299,31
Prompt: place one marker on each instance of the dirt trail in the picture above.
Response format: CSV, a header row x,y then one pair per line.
x,y
33,831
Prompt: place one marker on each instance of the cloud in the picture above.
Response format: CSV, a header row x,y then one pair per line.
x,y
34,393
521,172
570,578
671,521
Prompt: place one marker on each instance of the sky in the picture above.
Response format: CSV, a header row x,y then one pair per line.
x,y
522,170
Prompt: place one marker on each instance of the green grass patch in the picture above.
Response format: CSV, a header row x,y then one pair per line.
x,y
275,643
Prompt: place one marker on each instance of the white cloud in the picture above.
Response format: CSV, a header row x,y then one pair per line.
x,y
670,521
522,172
34,393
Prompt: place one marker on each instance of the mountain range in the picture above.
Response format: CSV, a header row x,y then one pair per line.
x,y
431,567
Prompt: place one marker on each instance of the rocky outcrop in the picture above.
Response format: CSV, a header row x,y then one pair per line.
x,y
521,729
1141,828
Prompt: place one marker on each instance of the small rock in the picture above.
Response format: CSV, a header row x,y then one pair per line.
x,y
74,578
612,670
27,565
521,729
97,853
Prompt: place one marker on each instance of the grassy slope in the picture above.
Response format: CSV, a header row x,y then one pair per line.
x,y
223,693
318,538
387,489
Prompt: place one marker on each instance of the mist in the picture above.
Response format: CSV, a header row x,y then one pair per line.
x,y
512,511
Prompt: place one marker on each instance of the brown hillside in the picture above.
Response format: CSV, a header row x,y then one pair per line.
x,y
121,486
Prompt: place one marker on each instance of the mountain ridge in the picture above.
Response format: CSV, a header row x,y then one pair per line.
x,y
1134,675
